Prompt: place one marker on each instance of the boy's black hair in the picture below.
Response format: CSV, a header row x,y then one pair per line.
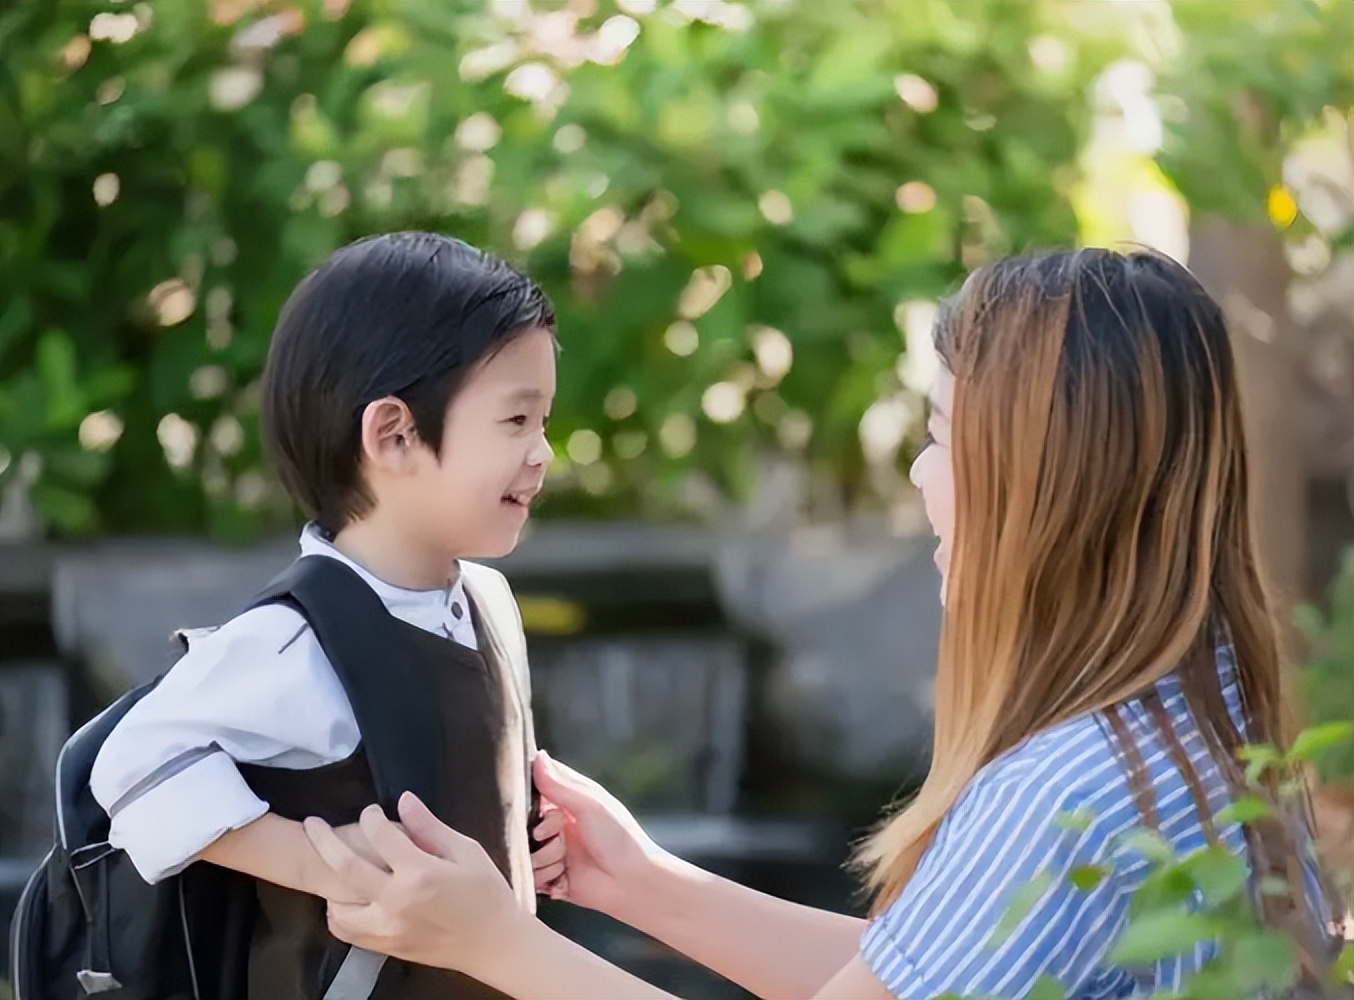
x,y
403,314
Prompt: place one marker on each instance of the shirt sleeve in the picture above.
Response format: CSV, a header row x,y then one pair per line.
x,y
257,690
949,931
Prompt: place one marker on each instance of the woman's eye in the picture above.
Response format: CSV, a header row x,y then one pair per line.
x,y
928,440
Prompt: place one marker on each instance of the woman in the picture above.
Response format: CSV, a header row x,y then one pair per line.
x,y
1106,648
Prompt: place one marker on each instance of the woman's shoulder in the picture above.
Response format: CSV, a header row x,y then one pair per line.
x,y
1067,770
1079,767
1067,755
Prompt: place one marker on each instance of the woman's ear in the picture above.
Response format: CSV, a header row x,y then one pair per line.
x,y
388,438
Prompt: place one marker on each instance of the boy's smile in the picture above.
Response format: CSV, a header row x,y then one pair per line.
x,y
494,448
472,500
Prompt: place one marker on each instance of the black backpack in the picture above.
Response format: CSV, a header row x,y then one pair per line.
x,y
88,924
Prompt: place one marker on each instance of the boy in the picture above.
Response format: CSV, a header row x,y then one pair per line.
x,y
404,403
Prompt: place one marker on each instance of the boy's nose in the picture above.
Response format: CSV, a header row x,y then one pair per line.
x,y
543,452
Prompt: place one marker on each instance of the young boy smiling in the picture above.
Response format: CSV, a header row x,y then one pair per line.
x,y
404,404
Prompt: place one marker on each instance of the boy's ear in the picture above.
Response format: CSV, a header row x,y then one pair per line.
x,y
389,439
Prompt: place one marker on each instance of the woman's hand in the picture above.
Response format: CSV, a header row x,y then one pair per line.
x,y
599,856
357,842
439,900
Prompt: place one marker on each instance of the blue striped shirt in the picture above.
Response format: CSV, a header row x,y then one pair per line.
x,y
938,936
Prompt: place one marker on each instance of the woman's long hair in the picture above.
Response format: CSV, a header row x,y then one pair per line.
x,y
1102,535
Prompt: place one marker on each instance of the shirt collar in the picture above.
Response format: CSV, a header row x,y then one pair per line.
x,y
427,609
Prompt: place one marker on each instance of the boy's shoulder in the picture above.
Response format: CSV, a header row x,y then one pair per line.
x,y
268,630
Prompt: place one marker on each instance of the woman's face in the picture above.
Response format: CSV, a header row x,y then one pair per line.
x,y
933,473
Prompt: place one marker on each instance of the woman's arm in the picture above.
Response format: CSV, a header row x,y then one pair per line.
x,y
600,858
770,947
535,962
441,902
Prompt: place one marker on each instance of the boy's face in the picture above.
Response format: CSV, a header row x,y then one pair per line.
x,y
474,499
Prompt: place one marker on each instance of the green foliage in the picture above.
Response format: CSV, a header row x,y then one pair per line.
x,y
1208,896
1328,679
1285,63
1183,901
169,171
728,212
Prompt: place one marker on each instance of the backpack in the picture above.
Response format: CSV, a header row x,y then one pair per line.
x,y
88,924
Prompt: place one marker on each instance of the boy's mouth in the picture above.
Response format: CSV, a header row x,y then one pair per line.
x,y
521,498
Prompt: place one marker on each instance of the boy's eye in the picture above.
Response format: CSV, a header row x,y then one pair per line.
x,y
520,420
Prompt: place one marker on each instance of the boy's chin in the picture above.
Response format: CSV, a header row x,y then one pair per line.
x,y
495,548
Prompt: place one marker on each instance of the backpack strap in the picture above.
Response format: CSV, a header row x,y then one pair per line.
x,y
502,625
369,652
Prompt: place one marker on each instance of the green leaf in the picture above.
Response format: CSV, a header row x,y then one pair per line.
x,y
1078,821
55,362
1087,877
1259,758
1343,968
1156,936
75,466
1213,982
852,59
1048,988
1166,888
1246,809
1150,844
15,320
67,279
1316,740
913,239
1022,902
1252,752
1217,873
1262,961
63,507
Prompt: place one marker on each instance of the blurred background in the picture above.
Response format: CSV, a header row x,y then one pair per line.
x,y
745,212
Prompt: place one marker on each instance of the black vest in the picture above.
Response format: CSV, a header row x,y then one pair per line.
x,y
432,717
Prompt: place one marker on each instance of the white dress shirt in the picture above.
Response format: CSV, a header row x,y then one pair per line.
x,y
258,690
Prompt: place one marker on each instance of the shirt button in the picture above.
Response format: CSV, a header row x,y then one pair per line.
x,y
456,611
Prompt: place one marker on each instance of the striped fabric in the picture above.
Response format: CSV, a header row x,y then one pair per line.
x,y
938,936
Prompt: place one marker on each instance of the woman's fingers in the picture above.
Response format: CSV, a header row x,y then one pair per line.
x,y
559,889
550,826
564,786
548,861
548,854
428,832
387,839
352,835
362,926
546,876
362,877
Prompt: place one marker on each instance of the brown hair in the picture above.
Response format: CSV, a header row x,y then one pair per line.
x,y
1102,535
